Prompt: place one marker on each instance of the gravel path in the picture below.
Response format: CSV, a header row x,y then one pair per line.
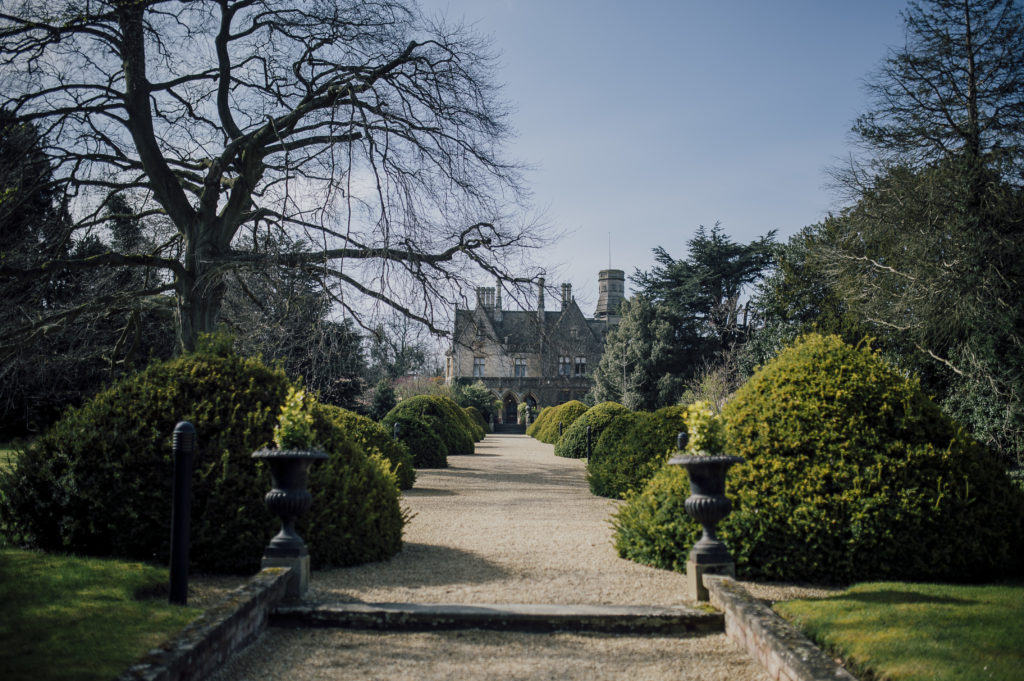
x,y
511,524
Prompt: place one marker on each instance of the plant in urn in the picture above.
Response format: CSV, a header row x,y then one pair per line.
x,y
706,466
289,471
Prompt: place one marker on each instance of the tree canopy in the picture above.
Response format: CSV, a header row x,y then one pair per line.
x,y
366,134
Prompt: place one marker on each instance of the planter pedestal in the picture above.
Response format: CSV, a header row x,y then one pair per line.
x,y
289,498
707,504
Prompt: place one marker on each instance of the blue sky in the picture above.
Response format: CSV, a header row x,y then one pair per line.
x,y
643,120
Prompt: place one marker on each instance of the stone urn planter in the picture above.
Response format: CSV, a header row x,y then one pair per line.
x,y
707,503
289,499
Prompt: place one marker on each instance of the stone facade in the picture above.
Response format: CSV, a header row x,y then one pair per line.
x,y
537,356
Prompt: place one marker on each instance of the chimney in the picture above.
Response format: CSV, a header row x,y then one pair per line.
x,y
497,300
485,297
566,295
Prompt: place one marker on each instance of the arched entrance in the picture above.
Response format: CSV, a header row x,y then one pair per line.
x,y
511,407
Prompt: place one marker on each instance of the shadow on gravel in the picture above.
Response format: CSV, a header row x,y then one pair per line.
x,y
428,492
503,478
449,566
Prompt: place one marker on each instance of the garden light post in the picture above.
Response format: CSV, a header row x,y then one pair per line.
x,y
707,504
183,450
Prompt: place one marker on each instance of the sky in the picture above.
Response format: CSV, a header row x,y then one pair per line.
x,y
642,120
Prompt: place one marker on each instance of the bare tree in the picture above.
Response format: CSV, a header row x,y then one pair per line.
x,y
362,130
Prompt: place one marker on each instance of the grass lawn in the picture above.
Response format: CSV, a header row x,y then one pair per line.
x,y
908,632
78,618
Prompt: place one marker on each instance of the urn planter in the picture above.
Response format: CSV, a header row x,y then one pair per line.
x,y
289,499
707,504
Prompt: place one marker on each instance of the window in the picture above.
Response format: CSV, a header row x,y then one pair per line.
x,y
580,366
564,366
478,367
520,367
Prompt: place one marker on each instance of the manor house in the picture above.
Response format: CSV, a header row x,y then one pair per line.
x,y
539,357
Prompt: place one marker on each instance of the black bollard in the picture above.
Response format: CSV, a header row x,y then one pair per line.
x,y
184,449
396,430
559,429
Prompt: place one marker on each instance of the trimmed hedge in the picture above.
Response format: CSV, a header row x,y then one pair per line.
x,y
543,417
851,474
99,481
565,413
433,427
573,444
375,439
632,449
476,417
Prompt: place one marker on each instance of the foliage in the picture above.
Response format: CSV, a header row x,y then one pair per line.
x,y
433,427
543,417
852,473
477,418
704,428
899,630
294,429
639,360
373,438
383,399
476,395
652,527
71,618
376,91
573,443
929,254
633,447
99,481
563,415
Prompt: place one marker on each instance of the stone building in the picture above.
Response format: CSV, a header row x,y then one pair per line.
x,y
540,357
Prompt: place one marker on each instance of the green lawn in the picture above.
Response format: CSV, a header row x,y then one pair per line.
x,y
78,618
920,632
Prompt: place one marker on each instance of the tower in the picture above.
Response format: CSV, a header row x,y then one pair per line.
x,y
611,293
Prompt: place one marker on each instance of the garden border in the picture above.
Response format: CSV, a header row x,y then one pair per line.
x,y
784,652
209,640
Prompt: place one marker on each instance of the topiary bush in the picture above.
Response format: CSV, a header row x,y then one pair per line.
x,y
852,474
373,438
476,417
99,481
632,449
433,427
573,444
565,413
543,417
652,527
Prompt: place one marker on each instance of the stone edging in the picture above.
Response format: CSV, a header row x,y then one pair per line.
x,y
209,640
785,653
503,617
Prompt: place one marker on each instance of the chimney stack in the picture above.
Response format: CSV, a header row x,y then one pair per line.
x,y
540,300
497,300
566,295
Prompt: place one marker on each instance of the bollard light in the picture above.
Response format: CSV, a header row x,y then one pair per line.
x,y
183,450
396,430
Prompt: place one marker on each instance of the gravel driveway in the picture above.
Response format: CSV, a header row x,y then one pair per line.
x,y
511,524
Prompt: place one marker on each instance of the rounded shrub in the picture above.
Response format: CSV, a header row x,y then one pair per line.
x,y
573,443
476,417
632,449
99,481
852,474
543,417
432,427
564,414
652,527
373,438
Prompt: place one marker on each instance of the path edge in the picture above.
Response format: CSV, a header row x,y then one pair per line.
x,y
782,650
203,645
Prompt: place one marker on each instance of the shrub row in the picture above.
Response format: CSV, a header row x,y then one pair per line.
x,y
632,448
99,481
851,474
564,415
433,427
573,443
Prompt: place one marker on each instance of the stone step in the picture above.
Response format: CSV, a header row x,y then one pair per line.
x,y
620,619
